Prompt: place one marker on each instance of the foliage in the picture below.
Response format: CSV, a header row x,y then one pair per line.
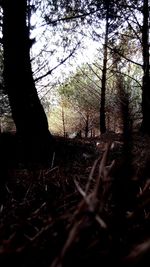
x,y
82,91
61,28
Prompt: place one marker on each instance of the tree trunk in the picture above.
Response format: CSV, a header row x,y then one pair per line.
x,y
63,121
104,71
146,78
27,111
87,126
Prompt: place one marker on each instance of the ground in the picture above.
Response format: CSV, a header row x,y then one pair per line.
x,y
88,208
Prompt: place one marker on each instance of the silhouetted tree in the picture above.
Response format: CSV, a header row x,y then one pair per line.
x,y
27,111
104,72
146,69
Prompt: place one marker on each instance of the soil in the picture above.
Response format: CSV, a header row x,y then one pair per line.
x,y
90,207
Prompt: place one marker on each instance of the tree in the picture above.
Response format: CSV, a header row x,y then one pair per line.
x,y
71,18
4,105
136,14
82,13
104,72
82,91
146,69
27,111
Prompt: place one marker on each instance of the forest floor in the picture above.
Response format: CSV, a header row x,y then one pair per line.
x,y
89,208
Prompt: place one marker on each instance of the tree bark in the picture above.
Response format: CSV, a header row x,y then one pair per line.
x,y
27,111
104,72
146,78
87,126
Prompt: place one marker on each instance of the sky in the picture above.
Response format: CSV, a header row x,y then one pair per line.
x,y
44,37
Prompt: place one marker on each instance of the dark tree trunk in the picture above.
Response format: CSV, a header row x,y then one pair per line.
x,y
87,126
146,78
27,111
104,72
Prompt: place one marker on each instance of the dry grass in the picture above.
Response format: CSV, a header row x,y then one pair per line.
x,y
69,214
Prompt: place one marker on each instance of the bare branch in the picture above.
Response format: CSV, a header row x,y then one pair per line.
x,y
59,64
127,75
128,59
49,21
90,79
94,72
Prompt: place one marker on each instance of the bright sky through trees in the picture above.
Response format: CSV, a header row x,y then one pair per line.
x,y
53,54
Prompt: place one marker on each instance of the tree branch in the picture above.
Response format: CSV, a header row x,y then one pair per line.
x,y
127,75
84,73
49,21
94,72
128,59
59,64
